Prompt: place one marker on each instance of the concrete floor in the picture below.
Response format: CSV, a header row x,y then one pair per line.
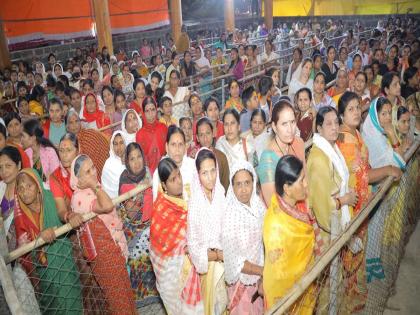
x,y
406,299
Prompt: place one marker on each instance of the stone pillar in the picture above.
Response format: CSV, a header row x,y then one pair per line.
x,y
229,15
4,49
103,25
268,14
175,10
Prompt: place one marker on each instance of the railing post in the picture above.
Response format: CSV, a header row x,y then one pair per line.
x,y
223,94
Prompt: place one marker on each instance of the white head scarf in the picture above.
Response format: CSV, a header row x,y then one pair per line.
x,y
242,230
202,61
112,169
129,137
204,220
53,72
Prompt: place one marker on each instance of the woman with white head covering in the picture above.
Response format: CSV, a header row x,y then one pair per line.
x,y
242,242
206,208
114,165
130,124
301,78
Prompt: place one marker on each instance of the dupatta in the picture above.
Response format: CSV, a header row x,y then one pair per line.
x,y
129,137
380,151
98,116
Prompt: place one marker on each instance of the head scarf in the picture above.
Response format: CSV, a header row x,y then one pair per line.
x,y
242,230
53,72
129,137
204,220
128,177
113,168
202,61
96,116
380,151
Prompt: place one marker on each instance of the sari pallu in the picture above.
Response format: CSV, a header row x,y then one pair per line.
x,y
52,266
356,155
177,280
290,242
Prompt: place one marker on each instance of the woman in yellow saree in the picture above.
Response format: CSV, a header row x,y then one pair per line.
x,y
291,237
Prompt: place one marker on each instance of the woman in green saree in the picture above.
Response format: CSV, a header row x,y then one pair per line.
x,y
51,268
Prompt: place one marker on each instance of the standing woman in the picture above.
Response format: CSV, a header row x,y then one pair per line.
x,y
232,144
103,242
301,78
36,216
204,231
236,67
361,175
135,214
41,151
290,235
152,136
283,142
329,67
168,246
242,241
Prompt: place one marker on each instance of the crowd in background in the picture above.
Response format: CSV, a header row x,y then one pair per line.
x,y
234,211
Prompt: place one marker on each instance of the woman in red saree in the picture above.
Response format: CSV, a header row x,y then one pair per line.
x,y
152,137
93,117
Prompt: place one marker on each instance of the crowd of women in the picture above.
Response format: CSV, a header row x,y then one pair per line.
x,y
233,211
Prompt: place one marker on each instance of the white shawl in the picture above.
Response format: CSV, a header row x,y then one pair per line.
x,y
204,228
339,163
242,231
112,170
129,137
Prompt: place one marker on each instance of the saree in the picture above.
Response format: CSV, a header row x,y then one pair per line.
x,y
177,280
110,247
289,242
52,265
135,214
354,264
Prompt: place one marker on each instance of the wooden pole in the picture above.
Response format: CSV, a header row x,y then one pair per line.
x,y
176,18
24,249
103,25
4,49
229,15
268,14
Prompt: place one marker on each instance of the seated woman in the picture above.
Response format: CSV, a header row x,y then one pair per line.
x,y
102,238
36,216
204,231
176,149
212,111
131,123
92,117
305,114
341,85
355,69
320,97
283,142
231,144
259,135
139,86
152,136
235,100
391,89
41,151
12,134
110,110
114,165
301,78
242,242
359,87
289,254
135,214
168,245
55,127
380,137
